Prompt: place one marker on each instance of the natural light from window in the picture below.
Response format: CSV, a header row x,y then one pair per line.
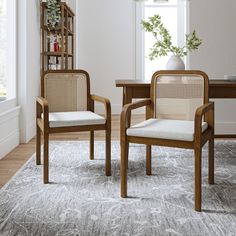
x,y
3,48
174,19
7,49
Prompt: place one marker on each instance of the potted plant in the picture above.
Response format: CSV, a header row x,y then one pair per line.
x,y
53,13
163,43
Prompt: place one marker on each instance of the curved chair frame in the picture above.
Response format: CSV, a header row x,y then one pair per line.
x,y
42,107
206,111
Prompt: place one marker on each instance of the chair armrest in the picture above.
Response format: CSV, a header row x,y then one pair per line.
x,y
126,112
206,110
42,107
106,103
42,101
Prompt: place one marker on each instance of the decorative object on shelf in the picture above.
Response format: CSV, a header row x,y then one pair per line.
x,y
53,12
54,43
57,50
163,43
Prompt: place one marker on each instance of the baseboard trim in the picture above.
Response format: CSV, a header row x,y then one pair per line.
x,y
9,143
31,130
225,129
116,109
28,132
222,128
9,122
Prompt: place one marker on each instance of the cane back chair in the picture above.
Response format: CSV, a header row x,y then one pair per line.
x,y
66,105
178,114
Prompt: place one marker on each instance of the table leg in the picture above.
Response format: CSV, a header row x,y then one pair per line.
x,y
127,95
123,100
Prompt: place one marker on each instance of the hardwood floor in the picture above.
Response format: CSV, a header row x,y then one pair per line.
x,y
10,164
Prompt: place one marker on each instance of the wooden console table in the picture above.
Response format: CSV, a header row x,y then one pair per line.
x,y
141,89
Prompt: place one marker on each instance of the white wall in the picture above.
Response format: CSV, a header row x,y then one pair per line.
x,y
106,45
9,111
106,49
17,117
9,127
29,64
72,4
214,21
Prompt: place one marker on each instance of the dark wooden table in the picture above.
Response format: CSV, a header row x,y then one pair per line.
x,y
141,89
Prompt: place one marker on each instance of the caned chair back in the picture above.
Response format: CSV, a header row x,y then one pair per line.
x,y
66,90
177,94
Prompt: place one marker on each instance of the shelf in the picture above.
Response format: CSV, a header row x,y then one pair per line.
x,y
50,70
70,32
66,32
56,54
66,7
57,30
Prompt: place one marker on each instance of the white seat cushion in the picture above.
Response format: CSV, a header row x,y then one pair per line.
x,y
74,118
165,129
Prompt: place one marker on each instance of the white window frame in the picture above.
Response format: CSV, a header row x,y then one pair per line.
x,y
11,84
140,34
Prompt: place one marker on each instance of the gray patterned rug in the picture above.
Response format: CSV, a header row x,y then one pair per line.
x,y
81,200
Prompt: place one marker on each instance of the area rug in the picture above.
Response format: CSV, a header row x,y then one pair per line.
x,y
81,200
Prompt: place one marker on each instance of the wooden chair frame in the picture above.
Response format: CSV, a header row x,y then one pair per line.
x,y
42,125
206,111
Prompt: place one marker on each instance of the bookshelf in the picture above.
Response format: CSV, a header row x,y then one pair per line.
x,y
57,44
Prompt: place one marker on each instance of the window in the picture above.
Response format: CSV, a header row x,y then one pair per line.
x,y
7,49
173,14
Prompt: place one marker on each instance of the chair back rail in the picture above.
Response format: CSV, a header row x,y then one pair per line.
x,y
177,94
66,90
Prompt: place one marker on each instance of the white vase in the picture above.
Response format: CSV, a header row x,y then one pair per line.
x,y
175,63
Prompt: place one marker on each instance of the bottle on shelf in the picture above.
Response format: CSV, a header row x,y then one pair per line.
x,y
58,65
51,43
56,46
59,42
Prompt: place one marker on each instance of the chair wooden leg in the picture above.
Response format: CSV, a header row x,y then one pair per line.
x,y
198,178
38,146
211,161
123,169
46,162
127,156
91,145
148,159
108,153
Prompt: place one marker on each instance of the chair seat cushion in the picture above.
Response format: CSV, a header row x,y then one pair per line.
x,y
74,118
165,129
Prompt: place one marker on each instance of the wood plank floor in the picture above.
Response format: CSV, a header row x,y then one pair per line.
x,y
10,164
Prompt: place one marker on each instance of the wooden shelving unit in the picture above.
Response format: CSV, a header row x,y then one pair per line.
x,y
57,44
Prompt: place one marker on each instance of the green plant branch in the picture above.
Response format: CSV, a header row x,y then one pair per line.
x,y
53,13
163,41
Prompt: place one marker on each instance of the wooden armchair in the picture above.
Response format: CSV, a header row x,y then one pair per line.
x,y
66,105
179,102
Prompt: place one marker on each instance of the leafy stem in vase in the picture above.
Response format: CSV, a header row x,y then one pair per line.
x,y
163,41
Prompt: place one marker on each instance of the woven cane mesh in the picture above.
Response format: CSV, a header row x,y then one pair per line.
x,y
66,92
177,97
